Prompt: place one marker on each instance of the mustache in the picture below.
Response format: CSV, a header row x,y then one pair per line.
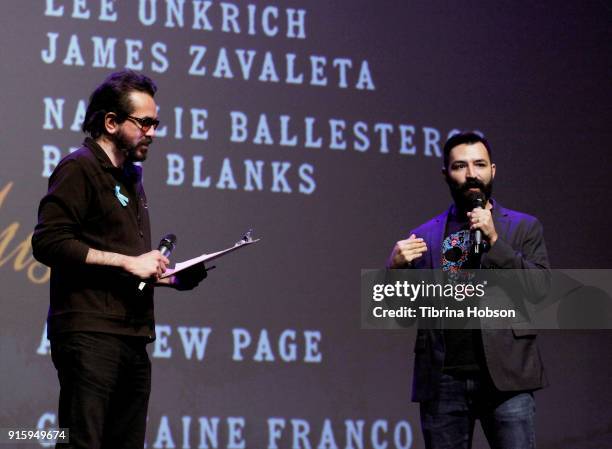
x,y
471,184
146,141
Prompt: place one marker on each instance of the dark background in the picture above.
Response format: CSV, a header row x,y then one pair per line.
x,y
534,77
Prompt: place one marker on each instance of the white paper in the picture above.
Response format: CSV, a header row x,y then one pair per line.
x,y
180,266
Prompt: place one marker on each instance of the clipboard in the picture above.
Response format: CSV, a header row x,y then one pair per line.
x,y
246,240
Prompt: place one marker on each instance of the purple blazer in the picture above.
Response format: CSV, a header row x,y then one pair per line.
x,y
512,356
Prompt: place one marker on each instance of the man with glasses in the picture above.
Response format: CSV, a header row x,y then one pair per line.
x,y
93,231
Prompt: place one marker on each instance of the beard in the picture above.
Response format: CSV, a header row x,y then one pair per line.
x,y
133,152
464,197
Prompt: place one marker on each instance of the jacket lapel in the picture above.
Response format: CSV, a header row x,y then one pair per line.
x,y
501,221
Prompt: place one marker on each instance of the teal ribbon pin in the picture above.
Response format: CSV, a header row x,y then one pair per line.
x,y
120,196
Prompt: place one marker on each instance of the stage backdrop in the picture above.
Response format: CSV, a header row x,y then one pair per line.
x,y
319,125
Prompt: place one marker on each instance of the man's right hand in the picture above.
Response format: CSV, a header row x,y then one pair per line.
x,y
406,251
147,266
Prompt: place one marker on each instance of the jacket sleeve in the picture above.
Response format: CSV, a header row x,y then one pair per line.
x,y
61,214
531,254
526,256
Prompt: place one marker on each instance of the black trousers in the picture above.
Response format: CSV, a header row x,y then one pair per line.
x,y
105,381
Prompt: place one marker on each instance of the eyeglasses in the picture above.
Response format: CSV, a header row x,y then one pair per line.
x,y
145,123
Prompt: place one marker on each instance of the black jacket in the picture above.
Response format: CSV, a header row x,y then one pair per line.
x,y
512,357
80,211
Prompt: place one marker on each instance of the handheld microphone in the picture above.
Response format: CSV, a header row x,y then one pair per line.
x,y
478,201
166,246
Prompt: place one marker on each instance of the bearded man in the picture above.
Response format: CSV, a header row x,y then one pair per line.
x,y
93,231
490,374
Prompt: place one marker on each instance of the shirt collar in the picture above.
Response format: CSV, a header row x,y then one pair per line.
x,y
99,153
129,170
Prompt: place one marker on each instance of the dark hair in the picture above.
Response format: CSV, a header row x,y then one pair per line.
x,y
113,96
469,137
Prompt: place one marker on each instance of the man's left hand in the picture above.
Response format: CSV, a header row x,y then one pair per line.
x,y
190,278
483,220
